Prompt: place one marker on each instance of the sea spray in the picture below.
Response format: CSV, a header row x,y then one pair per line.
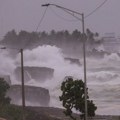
x,y
7,64
104,84
102,75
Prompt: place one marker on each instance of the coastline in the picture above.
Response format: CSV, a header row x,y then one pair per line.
x,y
57,113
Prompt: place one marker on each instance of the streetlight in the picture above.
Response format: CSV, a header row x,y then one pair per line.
x,y
84,46
22,82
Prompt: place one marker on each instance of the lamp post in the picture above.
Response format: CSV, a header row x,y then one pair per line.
x,y
22,82
84,47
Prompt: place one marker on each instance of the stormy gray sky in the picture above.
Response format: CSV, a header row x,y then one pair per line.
x,y
26,14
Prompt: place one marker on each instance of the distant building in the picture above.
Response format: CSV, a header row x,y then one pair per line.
x,y
111,43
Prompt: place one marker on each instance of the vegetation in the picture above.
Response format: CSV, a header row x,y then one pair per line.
x,y
4,86
43,38
11,112
14,112
8,111
73,97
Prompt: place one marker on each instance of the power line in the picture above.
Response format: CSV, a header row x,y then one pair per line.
x,y
73,14
96,9
68,13
38,25
76,16
41,19
69,20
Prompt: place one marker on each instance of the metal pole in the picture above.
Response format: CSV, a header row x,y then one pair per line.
x,y
22,80
84,51
84,57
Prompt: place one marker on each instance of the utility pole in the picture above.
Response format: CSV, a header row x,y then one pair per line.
x,y
84,48
23,87
84,57
22,82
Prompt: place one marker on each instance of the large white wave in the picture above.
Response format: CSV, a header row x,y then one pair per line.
x,y
102,75
7,64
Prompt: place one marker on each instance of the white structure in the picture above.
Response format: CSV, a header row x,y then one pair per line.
x,y
111,43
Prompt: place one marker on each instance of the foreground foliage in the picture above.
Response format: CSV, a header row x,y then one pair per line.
x,y
4,86
73,98
7,111
14,112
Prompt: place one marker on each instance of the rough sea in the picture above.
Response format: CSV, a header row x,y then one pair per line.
x,y
103,75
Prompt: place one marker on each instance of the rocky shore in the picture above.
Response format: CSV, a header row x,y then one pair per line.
x,y
50,113
13,112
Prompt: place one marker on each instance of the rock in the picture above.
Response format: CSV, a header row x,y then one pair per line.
x,y
2,118
97,54
37,73
50,113
33,95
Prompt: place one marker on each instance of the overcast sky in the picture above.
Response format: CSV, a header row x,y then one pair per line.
x,y
26,14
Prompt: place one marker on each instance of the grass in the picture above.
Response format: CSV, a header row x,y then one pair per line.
x,y
14,112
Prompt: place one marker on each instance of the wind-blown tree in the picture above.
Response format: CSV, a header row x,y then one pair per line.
x,y
76,34
68,42
73,97
9,39
91,36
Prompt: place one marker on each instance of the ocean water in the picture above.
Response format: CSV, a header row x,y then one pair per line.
x,y
103,75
